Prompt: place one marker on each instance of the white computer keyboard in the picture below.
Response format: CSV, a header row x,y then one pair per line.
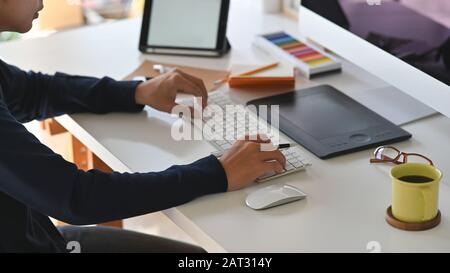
x,y
252,125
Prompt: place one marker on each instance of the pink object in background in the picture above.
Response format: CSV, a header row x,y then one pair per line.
x,y
438,10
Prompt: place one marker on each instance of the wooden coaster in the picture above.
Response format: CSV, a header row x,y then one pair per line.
x,y
412,226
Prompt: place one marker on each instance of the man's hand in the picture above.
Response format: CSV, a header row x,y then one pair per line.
x,y
245,161
161,92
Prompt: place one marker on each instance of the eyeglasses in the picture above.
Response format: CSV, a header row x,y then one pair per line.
x,y
389,154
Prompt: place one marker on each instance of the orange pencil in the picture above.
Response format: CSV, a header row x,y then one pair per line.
x,y
249,73
261,69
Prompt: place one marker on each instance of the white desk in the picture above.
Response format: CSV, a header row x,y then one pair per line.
x,y
347,196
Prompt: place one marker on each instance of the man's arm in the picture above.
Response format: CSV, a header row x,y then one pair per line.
x,y
35,176
32,174
31,95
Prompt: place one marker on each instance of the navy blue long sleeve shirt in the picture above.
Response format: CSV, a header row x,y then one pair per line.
x,y
36,183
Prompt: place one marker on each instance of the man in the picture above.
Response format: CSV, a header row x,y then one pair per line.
x,y
36,183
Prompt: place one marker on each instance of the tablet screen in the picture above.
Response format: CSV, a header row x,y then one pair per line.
x,y
185,23
328,123
324,115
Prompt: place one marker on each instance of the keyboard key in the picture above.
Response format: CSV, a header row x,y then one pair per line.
x,y
289,167
267,175
298,164
241,123
226,146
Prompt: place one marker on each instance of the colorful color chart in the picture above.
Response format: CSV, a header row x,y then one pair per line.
x,y
298,49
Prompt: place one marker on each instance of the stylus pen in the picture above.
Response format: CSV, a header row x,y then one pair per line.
x,y
285,146
278,147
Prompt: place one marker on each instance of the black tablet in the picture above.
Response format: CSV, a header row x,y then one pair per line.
x,y
185,27
328,123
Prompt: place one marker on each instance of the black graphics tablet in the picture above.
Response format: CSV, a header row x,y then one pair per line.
x,y
328,123
185,27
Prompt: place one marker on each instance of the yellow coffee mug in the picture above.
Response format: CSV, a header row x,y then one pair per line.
x,y
415,200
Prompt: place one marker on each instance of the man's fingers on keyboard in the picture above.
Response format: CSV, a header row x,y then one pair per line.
x,y
189,87
252,146
273,166
273,155
182,84
261,138
200,84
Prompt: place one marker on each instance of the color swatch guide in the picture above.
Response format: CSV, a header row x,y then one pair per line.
x,y
309,60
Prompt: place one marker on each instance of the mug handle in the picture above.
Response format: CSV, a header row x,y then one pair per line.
x,y
428,200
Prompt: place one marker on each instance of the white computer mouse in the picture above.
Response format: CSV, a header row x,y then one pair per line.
x,y
274,195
